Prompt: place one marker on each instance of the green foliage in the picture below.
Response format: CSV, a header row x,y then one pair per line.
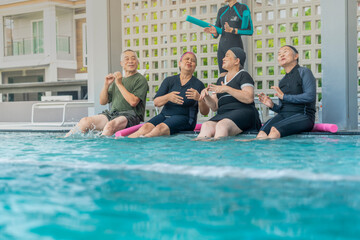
x,y
282,28
215,48
271,70
295,41
319,68
295,27
271,83
258,44
307,40
204,49
259,57
216,73
258,30
259,85
271,29
215,61
270,57
205,74
308,26
154,16
282,42
319,39
194,37
259,71
184,38
271,43
204,61
146,53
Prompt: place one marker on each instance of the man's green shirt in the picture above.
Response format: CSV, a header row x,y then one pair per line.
x,y
135,84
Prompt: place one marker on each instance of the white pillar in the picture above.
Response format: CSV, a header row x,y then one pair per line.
x,y
1,82
339,61
50,43
2,53
104,45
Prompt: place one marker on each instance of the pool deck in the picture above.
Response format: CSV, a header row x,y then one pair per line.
x,y
55,127
29,127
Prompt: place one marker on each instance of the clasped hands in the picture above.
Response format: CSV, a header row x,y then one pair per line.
x,y
113,76
191,93
213,88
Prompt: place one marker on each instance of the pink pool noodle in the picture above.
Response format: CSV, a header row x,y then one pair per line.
x,y
197,127
127,131
325,127
318,127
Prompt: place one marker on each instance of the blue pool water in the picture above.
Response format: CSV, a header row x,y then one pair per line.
x,y
303,187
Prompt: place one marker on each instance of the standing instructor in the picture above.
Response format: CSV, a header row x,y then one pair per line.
x,y
230,19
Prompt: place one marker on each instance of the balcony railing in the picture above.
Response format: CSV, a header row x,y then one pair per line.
x,y
29,46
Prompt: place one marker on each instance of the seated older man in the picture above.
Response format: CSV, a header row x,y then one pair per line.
x,y
127,96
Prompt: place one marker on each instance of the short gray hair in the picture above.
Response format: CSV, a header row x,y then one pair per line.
x,y
128,50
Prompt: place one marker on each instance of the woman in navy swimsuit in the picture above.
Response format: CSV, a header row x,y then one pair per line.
x,y
180,97
233,101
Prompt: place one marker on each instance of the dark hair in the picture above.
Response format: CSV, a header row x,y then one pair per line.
x,y
294,50
240,54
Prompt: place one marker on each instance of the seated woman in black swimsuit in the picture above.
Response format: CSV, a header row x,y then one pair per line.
x,y
180,96
297,95
233,101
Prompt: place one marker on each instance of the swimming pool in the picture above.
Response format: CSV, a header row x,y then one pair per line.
x,y
302,187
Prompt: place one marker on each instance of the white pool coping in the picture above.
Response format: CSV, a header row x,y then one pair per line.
x,y
38,127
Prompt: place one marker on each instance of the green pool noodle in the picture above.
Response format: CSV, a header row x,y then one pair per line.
x,y
245,19
202,23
